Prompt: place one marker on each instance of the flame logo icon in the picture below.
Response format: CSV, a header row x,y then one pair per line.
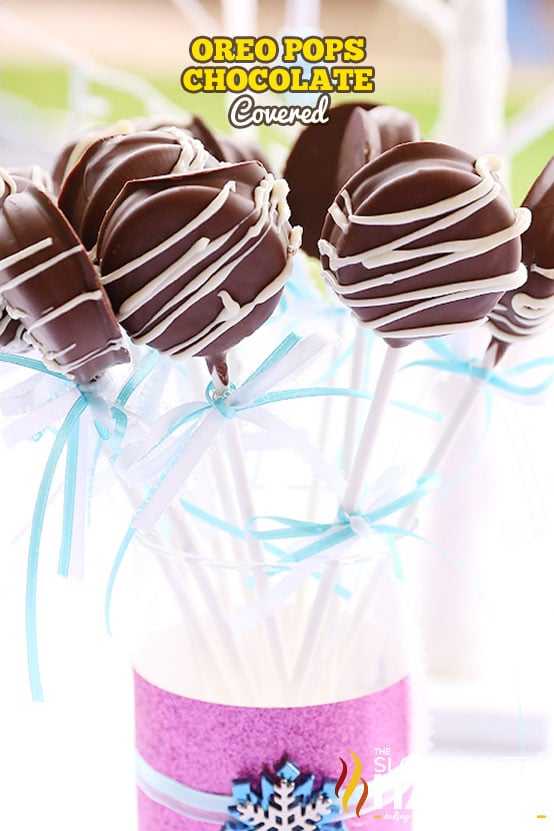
x,y
355,780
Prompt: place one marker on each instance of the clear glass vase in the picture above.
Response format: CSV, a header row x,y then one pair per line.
x,y
272,696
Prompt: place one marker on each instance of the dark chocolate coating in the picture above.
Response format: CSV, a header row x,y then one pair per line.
x,y
73,150
527,310
150,211
193,125
94,182
318,161
361,142
410,176
61,303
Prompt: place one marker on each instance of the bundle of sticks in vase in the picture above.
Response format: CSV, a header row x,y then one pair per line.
x,y
158,299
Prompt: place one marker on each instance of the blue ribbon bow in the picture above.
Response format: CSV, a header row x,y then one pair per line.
x,y
448,361
67,438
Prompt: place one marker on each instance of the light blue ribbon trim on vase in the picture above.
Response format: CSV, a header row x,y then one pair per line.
x,y
216,809
220,809
189,802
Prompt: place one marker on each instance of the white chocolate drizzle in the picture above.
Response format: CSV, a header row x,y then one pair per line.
x,y
6,183
55,360
41,178
438,217
193,156
544,272
269,214
231,309
521,316
68,306
25,276
23,253
90,137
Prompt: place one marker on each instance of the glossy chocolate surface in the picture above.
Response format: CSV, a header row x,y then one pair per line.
x,y
325,155
529,310
49,283
191,124
422,241
96,179
236,149
195,263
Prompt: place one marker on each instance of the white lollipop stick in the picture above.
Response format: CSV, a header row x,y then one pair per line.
x,y
228,658
253,546
459,418
308,654
353,406
354,486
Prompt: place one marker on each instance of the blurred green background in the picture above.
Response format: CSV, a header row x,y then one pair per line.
x,y
151,40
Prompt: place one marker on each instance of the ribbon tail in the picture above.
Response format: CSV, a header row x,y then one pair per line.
x,y
122,550
146,457
175,476
142,373
72,550
37,525
290,356
30,363
300,444
38,419
70,487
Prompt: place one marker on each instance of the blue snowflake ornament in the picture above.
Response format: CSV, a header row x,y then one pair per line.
x,y
286,802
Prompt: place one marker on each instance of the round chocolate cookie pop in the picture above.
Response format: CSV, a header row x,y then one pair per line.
x,y
49,283
95,180
529,310
423,241
325,155
195,263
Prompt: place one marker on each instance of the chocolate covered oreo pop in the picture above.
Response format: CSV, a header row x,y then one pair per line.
x,y
423,241
325,155
529,310
194,263
109,162
49,283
